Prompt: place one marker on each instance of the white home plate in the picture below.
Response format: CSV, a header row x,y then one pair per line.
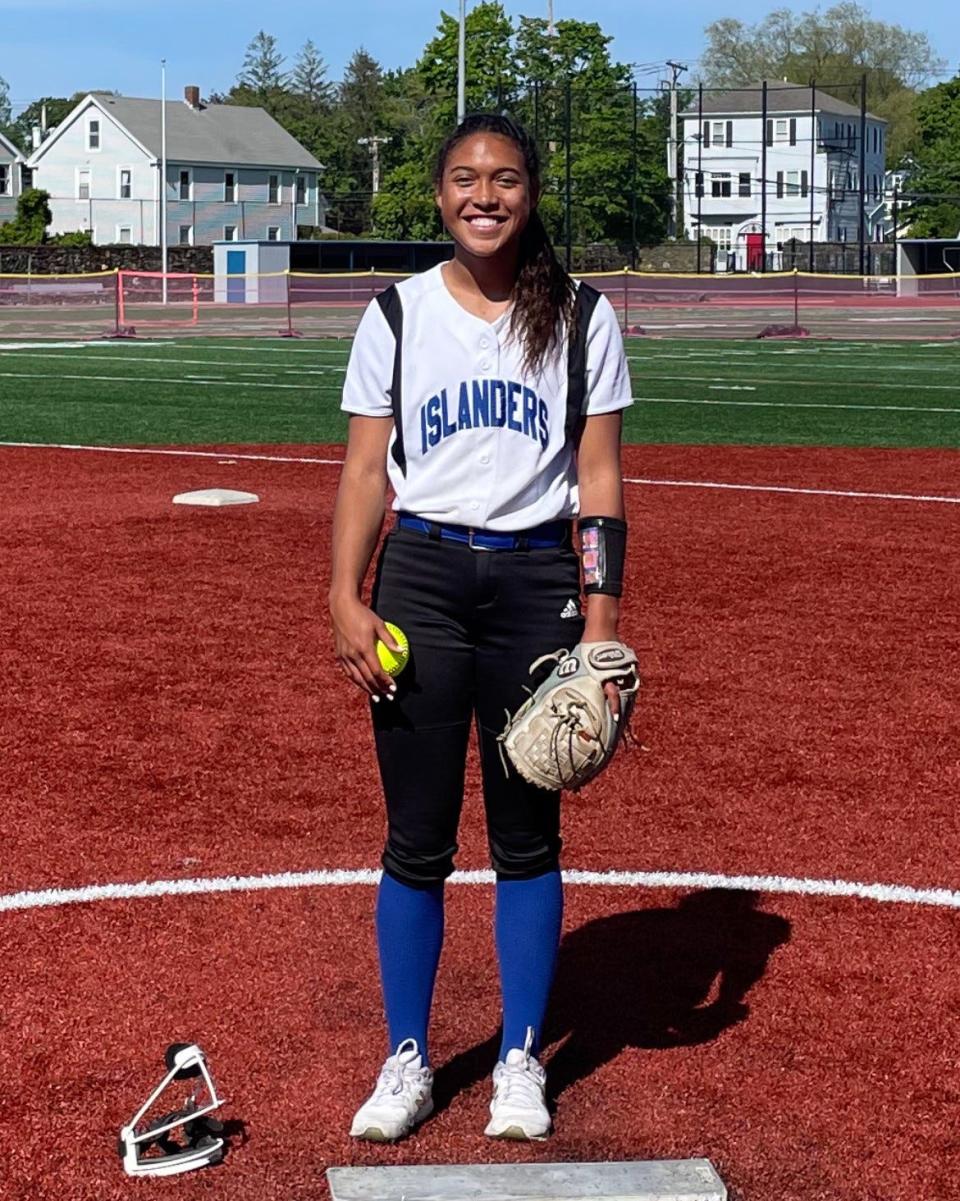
x,y
650,1180
216,496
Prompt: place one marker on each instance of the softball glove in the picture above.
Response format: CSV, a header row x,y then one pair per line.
x,y
565,734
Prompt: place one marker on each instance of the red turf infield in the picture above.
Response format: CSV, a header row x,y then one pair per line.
x,y
170,709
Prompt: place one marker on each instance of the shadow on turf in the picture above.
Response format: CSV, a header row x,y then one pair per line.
x,y
648,978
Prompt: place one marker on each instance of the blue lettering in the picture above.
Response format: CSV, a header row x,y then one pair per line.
x,y
463,419
544,424
423,429
433,420
498,403
481,402
448,426
513,391
530,413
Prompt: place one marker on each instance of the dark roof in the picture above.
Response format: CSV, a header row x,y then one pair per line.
x,y
782,97
214,133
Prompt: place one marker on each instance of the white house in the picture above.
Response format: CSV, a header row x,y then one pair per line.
x,y
231,172
12,167
812,145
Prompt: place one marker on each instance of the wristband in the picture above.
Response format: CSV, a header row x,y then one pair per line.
x,y
603,549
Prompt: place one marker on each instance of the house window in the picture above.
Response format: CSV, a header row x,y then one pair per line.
x,y
274,189
4,180
793,183
93,134
83,183
126,183
745,185
720,183
186,235
720,235
230,233
230,187
124,235
717,132
301,190
782,129
184,185
273,233
26,178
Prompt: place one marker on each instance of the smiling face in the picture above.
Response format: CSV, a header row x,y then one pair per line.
x,y
485,195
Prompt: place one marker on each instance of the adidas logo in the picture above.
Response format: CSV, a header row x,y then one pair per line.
x,y
570,609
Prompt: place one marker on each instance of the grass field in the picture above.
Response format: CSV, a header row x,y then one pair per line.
x,y
203,391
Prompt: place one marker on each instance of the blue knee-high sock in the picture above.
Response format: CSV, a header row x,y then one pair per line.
x,y
528,922
409,936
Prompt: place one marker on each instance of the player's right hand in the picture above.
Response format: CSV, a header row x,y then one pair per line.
x,y
356,629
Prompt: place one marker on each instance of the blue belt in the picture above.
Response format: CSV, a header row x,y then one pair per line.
x,y
539,537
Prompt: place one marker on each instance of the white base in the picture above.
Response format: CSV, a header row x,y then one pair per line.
x,y
216,496
651,1180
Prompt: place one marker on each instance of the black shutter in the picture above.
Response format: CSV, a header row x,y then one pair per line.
x,y
706,134
769,134
729,133
793,131
804,183
779,185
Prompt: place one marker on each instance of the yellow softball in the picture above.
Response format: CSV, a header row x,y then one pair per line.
x,y
393,662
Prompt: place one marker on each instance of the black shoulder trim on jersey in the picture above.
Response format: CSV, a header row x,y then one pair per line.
x,y
392,309
583,306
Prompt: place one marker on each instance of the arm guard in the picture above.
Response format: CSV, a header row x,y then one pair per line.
x,y
603,548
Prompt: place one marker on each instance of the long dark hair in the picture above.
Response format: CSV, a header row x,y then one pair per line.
x,y
544,292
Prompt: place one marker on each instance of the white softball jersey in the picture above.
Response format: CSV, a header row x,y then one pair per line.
x,y
484,441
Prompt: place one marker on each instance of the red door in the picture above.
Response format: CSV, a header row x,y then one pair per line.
x,y
754,252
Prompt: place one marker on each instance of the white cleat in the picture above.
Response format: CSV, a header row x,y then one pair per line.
x,y
401,1099
519,1109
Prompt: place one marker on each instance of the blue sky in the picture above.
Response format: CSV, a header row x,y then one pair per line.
x,y
55,47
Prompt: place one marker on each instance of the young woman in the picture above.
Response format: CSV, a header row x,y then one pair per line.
x,y
488,393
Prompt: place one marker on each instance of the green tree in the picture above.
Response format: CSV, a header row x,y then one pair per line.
x,y
490,74
57,107
834,47
5,110
261,73
404,207
934,177
29,226
308,78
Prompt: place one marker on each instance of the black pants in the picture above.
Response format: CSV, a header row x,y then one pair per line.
x,y
476,620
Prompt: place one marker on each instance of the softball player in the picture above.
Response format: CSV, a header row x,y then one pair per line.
x,y
487,392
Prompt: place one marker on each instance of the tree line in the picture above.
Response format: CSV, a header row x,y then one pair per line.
x,y
603,139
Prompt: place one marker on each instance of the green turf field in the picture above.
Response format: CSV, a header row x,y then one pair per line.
x,y
207,390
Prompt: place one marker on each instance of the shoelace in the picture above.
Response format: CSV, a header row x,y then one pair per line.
x,y
518,1082
394,1077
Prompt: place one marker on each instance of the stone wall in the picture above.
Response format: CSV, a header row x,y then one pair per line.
x,y
84,260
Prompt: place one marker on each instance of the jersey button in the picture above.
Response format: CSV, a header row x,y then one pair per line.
x,y
484,364
474,504
484,459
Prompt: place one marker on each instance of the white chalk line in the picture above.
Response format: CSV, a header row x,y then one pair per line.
x,y
905,496
234,455
188,454
900,894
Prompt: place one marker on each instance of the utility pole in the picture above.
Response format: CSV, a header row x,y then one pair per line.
x,y
374,143
673,173
462,64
